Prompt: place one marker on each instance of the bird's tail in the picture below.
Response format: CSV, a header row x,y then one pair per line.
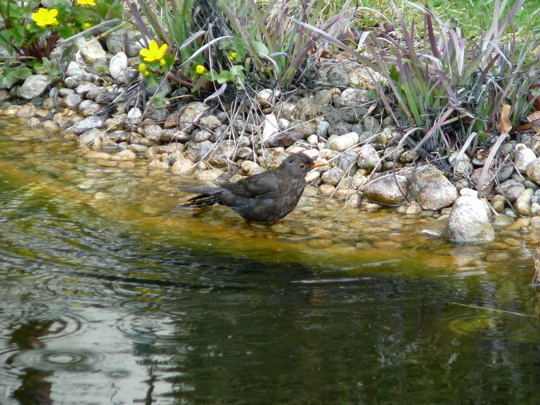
x,y
206,196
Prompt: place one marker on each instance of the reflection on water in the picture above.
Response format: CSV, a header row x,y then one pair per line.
x,y
108,295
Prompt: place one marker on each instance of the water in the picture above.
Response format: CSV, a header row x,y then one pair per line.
x,y
108,295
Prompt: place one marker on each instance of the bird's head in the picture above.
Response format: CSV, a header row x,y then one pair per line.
x,y
298,164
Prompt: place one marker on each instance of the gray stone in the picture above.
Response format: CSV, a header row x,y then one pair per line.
x,y
89,137
72,101
192,112
197,151
333,176
89,108
431,189
88,124
34,86
347,160
210,122
353,97
174,135
387,190
91,51
468,222
182,165
510,189
322,129
368,158
153,133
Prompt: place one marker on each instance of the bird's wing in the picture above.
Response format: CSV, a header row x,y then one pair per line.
x,y
258,185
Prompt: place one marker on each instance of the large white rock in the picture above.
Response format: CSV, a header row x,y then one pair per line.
x,y
34,86
118,67
523,157
468,221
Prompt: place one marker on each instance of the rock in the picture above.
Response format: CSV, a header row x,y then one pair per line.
x,y
469,222
431,189
307,109
153,133
201,136
182,166
208,176
251,168
210,122
34,86
267,97
510,189
313,139
523,202
322,129
90,137
368,158
523,157
333,176
124,155
353,97
223,154
174,135
197,151
338,76
134,115
387,190
343,142
118,67
91,51
347,160
409,156
89,123
498,202
191,114
461,164
72,101
533,170
89,108
326,189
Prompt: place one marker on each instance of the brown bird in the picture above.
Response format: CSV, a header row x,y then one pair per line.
x,y
263,197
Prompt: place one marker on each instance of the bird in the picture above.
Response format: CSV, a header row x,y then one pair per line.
x,y
262,197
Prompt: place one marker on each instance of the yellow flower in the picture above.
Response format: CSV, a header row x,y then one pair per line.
x,y
153,52
162,62
86,2
45,17
142,67
200,69
146,73
86,26
233,56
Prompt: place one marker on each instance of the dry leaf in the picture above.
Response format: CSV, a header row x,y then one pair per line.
x,y
270,126
534,119
505,126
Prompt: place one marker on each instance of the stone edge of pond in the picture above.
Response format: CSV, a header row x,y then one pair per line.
x,y
341,125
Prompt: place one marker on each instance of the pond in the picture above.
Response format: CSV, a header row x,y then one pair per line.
x,y
109,294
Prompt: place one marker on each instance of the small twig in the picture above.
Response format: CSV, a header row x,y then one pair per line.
x,y
502,311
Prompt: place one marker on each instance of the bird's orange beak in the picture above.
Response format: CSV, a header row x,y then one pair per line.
x,y
319,164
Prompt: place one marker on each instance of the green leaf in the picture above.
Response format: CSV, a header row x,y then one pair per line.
x,y
260,48
224,76
394,74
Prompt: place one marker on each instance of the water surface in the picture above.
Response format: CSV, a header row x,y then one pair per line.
x,y
108,295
